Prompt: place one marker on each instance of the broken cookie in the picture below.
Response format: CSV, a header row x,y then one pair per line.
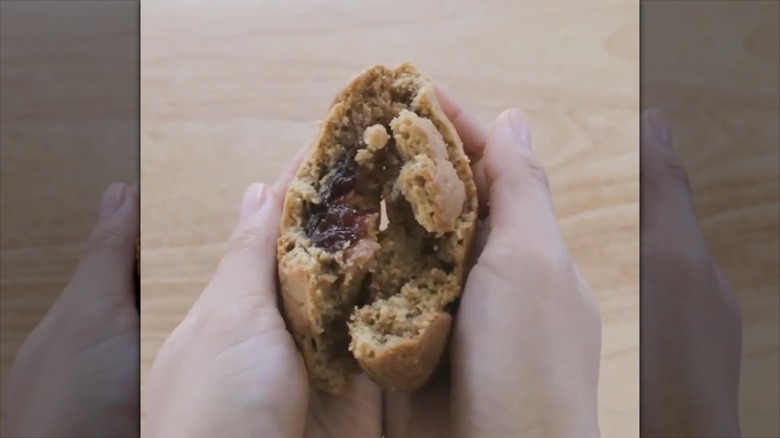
x,y
374,234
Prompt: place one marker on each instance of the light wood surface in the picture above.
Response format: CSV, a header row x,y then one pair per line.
x,y
68,128
229,93
713,67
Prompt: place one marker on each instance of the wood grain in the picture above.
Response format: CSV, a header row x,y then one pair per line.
x,y
69,128
230,93
714,68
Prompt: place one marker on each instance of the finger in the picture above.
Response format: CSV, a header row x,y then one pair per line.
x,y
247,272
666,206
474,137
470,131
520,201
106,269
289,172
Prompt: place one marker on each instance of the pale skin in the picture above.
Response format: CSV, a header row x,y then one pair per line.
x,y
691,325
525,347
77,373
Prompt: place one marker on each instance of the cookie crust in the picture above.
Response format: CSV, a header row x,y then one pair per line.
x,y
374,235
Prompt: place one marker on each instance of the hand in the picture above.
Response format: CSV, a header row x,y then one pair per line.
x,y
691,327
231,367
526,343
527,339
77,374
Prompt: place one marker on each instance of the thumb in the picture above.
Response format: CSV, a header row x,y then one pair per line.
x,y
248,269
107,268
666,205
519,193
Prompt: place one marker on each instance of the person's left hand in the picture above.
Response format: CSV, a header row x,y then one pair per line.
x,y
77,374
231,368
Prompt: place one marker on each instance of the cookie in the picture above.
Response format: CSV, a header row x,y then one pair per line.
x,y
374,236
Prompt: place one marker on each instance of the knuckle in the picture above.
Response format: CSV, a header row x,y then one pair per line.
x,y
521,167
663,176
698,262
684,264
538,173
667,169
105,238
555,262
245,239
541,260
677,171
209,321
550,268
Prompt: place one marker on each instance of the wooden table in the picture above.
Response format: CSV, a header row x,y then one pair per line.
x,y
230,92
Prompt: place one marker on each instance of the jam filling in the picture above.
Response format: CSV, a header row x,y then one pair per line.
x,y
337,223
339,219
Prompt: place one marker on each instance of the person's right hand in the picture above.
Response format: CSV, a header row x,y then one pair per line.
x,y
691,329
527,340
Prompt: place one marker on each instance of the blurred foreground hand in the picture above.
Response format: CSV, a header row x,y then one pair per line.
x,y
77,374
691,329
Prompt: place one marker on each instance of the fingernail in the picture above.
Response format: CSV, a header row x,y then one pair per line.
x,y
661,127
254,198
113,198
520,127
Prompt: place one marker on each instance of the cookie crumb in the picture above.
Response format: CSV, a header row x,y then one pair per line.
x,y
375,137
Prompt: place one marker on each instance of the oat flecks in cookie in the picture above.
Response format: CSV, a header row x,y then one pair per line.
x,y
357,296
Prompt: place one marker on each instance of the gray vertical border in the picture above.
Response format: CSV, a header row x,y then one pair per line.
x,y
69,127
712,68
